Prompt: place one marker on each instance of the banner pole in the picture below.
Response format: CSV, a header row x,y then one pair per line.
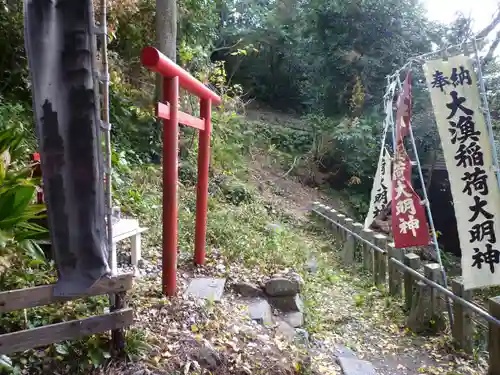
x,y
431,223
486,110
389,111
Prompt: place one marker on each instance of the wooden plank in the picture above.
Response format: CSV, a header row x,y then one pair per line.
x,y
72,330
124,226
117,335
44,295
395,276
380,260
463,325
163,111
413,261
126,235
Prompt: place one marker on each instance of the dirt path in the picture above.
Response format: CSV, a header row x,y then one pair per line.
x,y
288,193
372,325
341,308
355,314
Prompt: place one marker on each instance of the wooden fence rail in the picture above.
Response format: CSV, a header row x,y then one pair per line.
x,y
114,321
404,276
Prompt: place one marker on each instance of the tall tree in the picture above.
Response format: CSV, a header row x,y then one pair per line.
x,y
166,34
166,27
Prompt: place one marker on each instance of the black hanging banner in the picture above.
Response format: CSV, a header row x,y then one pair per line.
x,y
58,46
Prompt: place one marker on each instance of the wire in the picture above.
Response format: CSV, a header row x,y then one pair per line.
x,y
421,58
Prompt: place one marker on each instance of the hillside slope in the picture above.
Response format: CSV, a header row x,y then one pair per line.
x,y
259,226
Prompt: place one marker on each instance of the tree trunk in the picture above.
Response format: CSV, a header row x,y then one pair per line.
x,y
166,27
166,33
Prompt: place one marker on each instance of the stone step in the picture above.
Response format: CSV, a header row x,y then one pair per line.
x,y
353,366
261,312
206,288
350,364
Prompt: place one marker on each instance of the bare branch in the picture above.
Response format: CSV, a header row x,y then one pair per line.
x,y
488,29
491,51
226,47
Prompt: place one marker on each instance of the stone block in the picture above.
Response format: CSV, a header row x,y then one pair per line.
x,y
287,303
295,318
248,289
286,330
351,366
281,286
206,288
261,312
343,351
422,318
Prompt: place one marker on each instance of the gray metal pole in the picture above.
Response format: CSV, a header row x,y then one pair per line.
x,y
104,124
486,111
429,214
431,223
106,128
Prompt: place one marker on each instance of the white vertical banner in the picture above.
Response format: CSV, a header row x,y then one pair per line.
x,y
381,192
468,154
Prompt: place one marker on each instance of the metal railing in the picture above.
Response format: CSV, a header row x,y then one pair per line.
x,y
477,309
381,252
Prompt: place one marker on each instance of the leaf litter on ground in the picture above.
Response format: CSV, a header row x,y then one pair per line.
x,y
203,337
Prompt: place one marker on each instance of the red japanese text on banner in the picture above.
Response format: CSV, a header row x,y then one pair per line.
x,y
409,222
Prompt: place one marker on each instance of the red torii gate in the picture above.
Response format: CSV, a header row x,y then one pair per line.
x,y
173,76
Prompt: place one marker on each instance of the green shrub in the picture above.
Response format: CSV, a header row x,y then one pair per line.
x,y
19,234
236,192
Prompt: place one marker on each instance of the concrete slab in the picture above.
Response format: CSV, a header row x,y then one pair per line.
x,y
351,366
286,330
261,312
206,288
295,319
343,351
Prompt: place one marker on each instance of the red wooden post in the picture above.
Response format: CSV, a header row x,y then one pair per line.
x,y
174,76
170,144
202,187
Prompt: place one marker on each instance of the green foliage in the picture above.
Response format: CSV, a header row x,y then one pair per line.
x,y
228,142
13,63
317,54
134,129
19,233
134,28
356,147
19,117
136,347
235,191
289,140
346,150
327,59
